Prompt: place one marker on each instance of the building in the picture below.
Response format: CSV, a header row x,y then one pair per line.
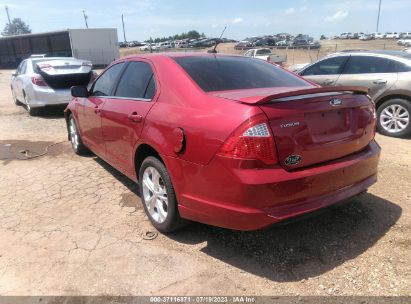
x,y
100,46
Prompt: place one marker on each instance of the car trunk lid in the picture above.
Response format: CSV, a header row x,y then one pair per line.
x,y
65,73
315,125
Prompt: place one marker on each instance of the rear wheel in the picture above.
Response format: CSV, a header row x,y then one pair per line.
x,y
75,139
16,101
32,111
158,196
394,118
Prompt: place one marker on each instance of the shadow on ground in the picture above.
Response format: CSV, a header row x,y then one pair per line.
x,y
295,251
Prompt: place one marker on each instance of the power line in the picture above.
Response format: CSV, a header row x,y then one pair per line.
x,y
85,18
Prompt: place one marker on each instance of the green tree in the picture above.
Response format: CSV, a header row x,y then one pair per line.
x,y
16,27
323,37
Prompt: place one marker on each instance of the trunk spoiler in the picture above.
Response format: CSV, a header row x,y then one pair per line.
x,y
310,91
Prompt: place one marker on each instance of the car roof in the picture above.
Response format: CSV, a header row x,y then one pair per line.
x,y
382,53
153,56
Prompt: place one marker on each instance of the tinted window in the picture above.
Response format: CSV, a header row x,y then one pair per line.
x,y
104,84
23,67
135,80
151,89
235,73
264,52
368,64
328,66
401,67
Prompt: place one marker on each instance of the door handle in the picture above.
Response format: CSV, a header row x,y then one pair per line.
x,y
97,110
328,81
380,81
134,117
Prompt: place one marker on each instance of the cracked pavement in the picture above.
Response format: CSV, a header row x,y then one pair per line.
x,y
72,225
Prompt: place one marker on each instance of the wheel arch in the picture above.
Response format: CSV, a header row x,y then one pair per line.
x,y
143,151
383,99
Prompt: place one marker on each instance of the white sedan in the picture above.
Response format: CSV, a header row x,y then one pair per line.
x,y
40,82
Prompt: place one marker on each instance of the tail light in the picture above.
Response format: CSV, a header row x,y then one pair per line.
x,y
38,81
252,140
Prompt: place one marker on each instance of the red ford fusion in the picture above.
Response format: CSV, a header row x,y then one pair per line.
x,y
229,141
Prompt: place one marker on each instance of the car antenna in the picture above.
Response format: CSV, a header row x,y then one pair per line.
x,y
214,51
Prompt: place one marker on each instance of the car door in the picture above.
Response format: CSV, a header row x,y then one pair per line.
x,y
17,80
89,109
325,72
124,114
375,73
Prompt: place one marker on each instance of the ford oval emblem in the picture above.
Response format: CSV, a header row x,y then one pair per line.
x,y
293,160
335,102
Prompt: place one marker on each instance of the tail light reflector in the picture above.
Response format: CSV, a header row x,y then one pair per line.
x,y
252,140
38,81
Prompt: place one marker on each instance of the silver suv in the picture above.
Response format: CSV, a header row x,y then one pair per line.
x,y
387,74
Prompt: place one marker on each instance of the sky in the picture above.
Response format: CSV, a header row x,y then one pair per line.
x,y
243,18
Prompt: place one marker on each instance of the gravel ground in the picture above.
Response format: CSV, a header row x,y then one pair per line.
x,y
73,225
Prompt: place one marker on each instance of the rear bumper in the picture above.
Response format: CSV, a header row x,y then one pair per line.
x,y
41,97
250,199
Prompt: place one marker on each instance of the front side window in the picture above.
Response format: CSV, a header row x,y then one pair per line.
x,y
104,84
134,83
221,73
368,65
330,66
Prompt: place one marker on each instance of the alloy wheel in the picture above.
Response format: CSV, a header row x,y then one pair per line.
x,y
74,137
394,118
155,194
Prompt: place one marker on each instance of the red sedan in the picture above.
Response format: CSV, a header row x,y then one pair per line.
x,y
229,141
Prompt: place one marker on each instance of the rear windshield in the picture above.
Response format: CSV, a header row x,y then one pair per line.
x,y
236,73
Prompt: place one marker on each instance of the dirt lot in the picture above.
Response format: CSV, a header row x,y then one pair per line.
x,y
72,225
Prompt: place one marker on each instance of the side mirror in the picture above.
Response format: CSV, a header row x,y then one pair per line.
x,y
14,74
79,91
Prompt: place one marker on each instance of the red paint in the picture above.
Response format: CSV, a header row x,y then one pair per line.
x,y
232,187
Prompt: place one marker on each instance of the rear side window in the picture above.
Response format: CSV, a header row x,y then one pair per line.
x,y
134,82
330,66
104,84
368,65
401,67
215,73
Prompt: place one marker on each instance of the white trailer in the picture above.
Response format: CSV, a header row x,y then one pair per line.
x,y
98,45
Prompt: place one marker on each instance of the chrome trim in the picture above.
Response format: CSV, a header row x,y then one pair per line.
x,y
118,97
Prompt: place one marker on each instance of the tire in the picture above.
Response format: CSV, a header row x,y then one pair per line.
x,y
30,110
75,138
162,212
16,101
393,118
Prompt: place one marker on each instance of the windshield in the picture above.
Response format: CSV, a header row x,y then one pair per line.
x,y
236,73
263,52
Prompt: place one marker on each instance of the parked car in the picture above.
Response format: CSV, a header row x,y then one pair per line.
x,y
146,47
243,44
267,55
283,43
40,82
378,35
392,35
131,44
366,37
403,41
226,140
387,74
405,35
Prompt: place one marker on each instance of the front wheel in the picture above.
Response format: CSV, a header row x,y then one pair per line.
x,y
394,118
75,139
158,196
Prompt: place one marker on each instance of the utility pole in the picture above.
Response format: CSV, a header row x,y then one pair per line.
x,y
85,18
124,31
378,18
7,12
